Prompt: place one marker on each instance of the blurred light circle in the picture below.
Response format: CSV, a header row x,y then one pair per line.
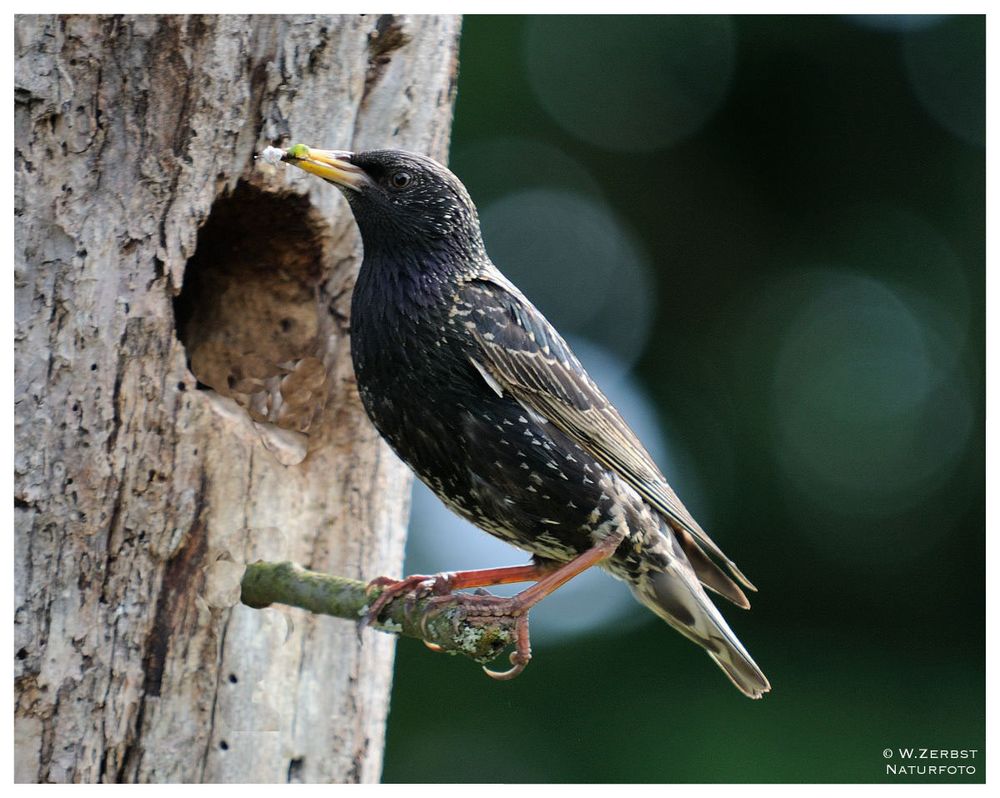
x,y
496,166
864,413
577,262
918,262
946,65
630,83
440,540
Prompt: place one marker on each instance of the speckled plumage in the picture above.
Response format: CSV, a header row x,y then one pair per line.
x,y
475,390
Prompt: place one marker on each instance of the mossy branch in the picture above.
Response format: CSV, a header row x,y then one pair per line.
x,y
453,623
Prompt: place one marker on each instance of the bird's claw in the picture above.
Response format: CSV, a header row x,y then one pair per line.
x,y
519,657
504,676
414,587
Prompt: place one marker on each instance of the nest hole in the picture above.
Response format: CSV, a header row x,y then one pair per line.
x,y
249,315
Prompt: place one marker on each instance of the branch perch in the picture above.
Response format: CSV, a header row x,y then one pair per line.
x,y
454,624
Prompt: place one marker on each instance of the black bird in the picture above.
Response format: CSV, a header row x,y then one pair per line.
x,y
482,398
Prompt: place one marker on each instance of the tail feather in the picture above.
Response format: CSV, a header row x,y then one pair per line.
x,y
710,574
744,674
676,595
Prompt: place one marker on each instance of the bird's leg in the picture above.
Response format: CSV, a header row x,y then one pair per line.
x,y
517,606
444,583
556,578
550,577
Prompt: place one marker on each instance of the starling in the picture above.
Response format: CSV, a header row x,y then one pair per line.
x,y
476,391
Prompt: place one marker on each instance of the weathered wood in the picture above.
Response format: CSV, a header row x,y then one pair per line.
x,y
132,494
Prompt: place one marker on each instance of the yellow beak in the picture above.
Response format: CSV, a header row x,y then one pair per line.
x,y
332,165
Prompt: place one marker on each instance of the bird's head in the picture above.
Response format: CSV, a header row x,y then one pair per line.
x,y
401,201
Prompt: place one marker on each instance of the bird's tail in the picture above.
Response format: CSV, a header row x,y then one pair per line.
x,y
676,595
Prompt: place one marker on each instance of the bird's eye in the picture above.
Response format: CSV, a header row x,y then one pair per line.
x,y
400,179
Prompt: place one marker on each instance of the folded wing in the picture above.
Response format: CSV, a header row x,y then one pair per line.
x,y
527,358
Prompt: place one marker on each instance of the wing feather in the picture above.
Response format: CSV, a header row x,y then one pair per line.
x,y
527,357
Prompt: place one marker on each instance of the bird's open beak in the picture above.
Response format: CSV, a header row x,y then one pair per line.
x,y
332,165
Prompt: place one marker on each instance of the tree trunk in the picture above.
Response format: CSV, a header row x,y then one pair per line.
x,y
139,493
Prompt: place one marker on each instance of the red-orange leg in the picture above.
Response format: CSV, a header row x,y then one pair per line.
x,y
549,578
444,583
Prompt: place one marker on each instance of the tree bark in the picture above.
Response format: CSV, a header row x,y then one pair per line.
x,y
145,237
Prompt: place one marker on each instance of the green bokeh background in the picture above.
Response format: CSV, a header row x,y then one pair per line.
x,y
820,158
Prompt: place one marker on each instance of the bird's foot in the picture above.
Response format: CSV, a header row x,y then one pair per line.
x,y
479,604
484,605
519,657
413,587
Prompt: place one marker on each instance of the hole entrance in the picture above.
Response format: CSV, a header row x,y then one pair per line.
x,y
249,314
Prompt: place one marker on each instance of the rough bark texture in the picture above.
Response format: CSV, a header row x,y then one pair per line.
x,y
135,500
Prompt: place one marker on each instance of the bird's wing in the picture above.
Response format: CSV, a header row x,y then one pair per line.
x,y
530,360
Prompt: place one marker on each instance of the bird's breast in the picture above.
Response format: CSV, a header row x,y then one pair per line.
x,y
412,370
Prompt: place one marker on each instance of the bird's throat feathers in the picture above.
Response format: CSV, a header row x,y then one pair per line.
x,y
397,282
